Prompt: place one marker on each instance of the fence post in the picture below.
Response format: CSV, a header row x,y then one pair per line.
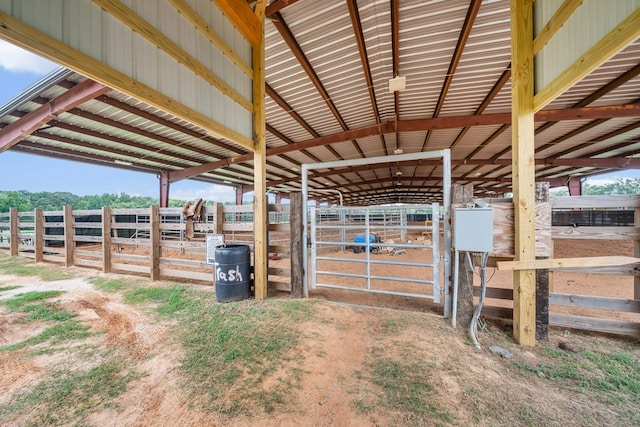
x,y
460,196
154,235
636,253
38,237
296,261
218,218
14,231
542,278
67,215
106,239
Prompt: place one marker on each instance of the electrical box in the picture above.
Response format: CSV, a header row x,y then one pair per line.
x,y
473,229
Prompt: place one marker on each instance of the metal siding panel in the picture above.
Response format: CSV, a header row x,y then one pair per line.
x,y
118,45
591,21
83,26
615,67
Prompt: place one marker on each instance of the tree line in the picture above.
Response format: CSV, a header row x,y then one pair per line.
x,y
26,201
619,186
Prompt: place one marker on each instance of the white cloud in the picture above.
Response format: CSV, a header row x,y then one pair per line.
x,y
18,60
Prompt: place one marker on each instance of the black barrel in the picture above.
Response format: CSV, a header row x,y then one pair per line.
x,y
233,269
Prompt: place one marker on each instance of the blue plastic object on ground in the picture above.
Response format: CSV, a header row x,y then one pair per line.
x,y
362,238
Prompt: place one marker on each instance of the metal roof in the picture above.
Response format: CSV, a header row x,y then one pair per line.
x,y
328,65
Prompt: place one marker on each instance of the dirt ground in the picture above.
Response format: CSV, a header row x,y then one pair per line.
x,y
334,349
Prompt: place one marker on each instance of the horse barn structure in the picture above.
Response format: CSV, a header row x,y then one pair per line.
x,y
368,104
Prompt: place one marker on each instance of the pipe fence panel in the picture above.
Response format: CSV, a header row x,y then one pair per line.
x,y
377,250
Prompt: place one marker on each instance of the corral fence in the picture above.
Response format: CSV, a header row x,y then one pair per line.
x,y
377,250
587,218
147,242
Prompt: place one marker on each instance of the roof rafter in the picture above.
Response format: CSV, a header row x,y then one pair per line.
x,y
472,13
18,130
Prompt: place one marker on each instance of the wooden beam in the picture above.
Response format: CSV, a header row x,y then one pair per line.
x,y
132,20
106,239
69,231
278,5
597,202
38,244
598,261
543,275
14,231
296,262
19,33
192,16
15,132
461,195
244,19
558,19
523,167
609,326
259,10
260,215
154,237
636,252
616,40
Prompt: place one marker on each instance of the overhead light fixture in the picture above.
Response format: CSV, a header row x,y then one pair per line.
x,y
227,182
398,173
397,84
398,151
122,162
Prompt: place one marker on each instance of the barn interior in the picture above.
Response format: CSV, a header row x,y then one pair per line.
x,y
518,92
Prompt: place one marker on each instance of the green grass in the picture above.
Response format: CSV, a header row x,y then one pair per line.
x,y
46,312
34,303
8,288
230,349
111,285
21,300
169,300
406,388
67,397
21,266
62,331
609,377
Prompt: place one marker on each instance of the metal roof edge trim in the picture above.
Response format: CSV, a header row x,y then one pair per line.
x,y
29,93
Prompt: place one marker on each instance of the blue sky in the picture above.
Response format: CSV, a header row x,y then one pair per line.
x,y
18,70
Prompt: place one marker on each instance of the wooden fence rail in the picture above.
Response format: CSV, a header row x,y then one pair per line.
x,y
561,304
149,241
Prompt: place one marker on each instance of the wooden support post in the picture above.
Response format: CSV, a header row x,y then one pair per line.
x,y
542,279
38,243
636,253
218,218
154,236
460,196
69,231
297,264
260,215
14,232
106,239
523,167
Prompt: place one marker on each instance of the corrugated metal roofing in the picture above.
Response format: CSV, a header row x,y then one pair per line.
x,y
118,127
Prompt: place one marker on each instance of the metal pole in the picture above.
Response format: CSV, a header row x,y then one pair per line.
x,y
446,194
